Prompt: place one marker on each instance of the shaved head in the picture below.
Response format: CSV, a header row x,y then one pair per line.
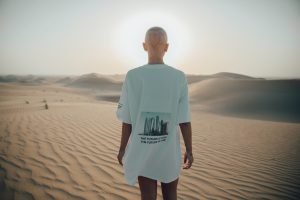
x,y
156,44
155,36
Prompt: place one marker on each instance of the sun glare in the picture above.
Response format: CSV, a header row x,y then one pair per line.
x,y
130,35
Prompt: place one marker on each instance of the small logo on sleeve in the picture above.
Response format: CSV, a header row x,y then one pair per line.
x,y
120,105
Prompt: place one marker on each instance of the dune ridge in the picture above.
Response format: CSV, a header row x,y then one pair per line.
x,y
192,78
96,82
275,100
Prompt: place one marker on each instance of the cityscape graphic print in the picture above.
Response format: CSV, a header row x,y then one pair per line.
x,y
154,123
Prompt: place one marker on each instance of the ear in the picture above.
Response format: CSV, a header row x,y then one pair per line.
x,y
166,47
145,46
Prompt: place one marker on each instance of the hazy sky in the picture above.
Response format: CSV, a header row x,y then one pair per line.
x,y
253,37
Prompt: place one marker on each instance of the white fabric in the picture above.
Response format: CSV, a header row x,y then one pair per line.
x,y
154,100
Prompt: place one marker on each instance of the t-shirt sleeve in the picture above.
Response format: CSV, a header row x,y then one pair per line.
x,y
123,112
183,105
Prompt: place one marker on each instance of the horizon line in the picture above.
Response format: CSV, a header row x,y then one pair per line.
x,y
123,74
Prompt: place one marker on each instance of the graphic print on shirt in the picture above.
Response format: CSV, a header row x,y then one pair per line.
x,y
154,127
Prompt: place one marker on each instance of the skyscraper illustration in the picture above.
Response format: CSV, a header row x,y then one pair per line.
x,y
155,127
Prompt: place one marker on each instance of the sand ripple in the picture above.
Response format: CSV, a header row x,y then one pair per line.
x,y
69,152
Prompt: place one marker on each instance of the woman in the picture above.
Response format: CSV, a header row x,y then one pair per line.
x,y
153,102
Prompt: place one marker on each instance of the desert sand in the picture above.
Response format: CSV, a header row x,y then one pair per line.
x,y
246,139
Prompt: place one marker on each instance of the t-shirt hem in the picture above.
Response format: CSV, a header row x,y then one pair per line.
x,y
148,176
184,121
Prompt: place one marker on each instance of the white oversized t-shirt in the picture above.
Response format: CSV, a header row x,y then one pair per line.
x,y
154,100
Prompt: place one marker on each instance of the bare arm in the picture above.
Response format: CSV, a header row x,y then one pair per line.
x,y
186,130
126,131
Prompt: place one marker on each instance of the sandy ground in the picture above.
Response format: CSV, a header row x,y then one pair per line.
x,y
69,151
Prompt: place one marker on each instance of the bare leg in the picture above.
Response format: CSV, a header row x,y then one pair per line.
x,y
148,188
169,190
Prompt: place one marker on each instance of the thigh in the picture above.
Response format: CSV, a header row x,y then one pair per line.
x,y
169,190
148,188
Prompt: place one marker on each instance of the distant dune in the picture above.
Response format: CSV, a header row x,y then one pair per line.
x,y
224,93
230,75
95,82
261,99
224,75
8,78
65,80
30,79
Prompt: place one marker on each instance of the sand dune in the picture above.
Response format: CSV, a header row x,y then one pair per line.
x,y
69,151
28,79
230,75
33,79
64,80
96,82
93,80
223,75
260,99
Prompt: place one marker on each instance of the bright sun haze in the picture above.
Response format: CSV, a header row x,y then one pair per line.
x,y
130,34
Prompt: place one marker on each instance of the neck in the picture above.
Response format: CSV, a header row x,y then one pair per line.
x,y
152,60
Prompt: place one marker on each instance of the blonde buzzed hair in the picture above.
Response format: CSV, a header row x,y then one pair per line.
x,y
158,31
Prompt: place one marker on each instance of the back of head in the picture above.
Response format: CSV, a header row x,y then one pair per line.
x,y
155,36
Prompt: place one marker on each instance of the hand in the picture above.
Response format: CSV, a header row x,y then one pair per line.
x,y
120,156
188,160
